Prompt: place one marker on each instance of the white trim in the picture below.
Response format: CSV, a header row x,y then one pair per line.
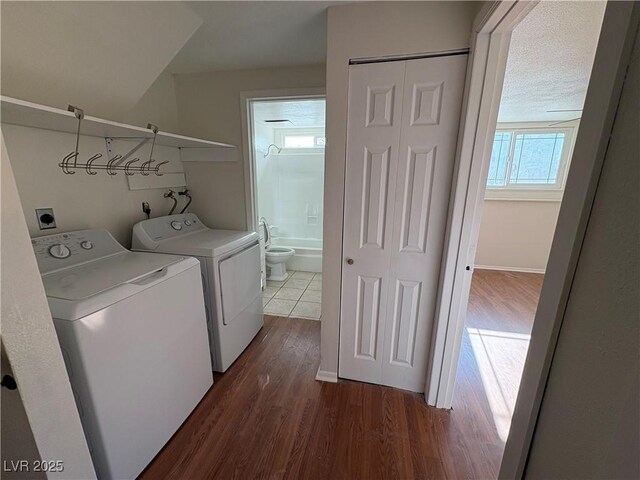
x,y
29,114
509,269
193,154
247,121
327,376
524,195
575,123
485,77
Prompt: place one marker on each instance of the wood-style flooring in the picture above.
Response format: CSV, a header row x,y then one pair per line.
x,y
267,417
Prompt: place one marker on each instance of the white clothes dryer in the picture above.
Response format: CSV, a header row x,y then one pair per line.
x,y
230,263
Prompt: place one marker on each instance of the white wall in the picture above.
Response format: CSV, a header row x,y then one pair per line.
x,y
100,56
80,200
588,426
31,347
60,53
158,106
209,107
369,30
73,66
516,235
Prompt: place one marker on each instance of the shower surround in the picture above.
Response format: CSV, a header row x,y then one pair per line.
x,y
290,193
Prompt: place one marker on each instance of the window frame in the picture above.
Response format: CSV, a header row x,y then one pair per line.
x,y
280,133
534,192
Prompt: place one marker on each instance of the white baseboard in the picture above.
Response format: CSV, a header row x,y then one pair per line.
x,y
326,376
510,269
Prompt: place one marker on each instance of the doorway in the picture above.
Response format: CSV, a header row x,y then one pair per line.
x,y
287,140
532,147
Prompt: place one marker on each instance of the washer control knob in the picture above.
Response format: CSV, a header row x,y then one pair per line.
x,y
176,225
59,250
87,245
187,223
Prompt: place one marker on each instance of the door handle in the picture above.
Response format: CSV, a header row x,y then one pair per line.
x,y
150,277
349,261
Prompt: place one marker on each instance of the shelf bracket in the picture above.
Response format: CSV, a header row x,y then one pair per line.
x,y
109,142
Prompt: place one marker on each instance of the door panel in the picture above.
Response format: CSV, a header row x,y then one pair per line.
x,y
380,106
426,101
402,135
368,316
375,112
432,105
405,320
375,183
416,199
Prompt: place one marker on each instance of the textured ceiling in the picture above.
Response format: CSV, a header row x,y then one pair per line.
x,y
300,113
550,60
237,35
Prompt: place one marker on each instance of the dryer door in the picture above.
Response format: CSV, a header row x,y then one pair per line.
x,y
239,282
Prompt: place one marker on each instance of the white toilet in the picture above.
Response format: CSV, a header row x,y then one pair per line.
x,y
275,257
277,262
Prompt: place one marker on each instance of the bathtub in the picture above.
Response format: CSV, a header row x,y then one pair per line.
x,y
308,257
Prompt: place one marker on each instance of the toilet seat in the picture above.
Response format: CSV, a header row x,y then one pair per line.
x,y
280,251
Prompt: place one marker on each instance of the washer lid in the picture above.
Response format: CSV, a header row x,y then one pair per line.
x,y
89,279
207,243
78,291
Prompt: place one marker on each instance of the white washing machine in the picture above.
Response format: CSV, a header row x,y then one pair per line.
x,y
230,262
132,331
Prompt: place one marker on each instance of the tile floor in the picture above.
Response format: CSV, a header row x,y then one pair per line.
x,y
298,296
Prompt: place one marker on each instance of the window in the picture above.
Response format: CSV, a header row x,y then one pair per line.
x,y
525,161
301,139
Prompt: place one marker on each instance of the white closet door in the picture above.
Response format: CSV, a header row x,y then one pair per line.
x,y
375,113
431,111
395,235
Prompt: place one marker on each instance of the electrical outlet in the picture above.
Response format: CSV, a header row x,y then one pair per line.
x,y
46,219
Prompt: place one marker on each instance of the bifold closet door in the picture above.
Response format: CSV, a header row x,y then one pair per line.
x,y
402,133
375,113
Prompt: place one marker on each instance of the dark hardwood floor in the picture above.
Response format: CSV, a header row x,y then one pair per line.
x,y
267,417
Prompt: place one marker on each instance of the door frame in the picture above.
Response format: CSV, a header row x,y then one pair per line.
x,y
246,98
492,31
486,68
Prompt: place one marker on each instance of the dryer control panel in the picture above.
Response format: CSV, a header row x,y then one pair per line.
x,y
148,233
62,250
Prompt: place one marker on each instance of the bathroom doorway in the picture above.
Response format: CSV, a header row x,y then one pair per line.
x,y
285,149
